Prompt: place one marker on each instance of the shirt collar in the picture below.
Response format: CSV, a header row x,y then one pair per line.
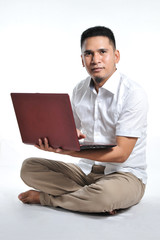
x,y
111,84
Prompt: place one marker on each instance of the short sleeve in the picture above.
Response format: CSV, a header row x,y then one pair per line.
x,y
132,120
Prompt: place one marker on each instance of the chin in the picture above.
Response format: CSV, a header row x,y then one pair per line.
x,y
98,79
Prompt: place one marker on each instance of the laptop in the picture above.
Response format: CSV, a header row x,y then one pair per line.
x,y
41,115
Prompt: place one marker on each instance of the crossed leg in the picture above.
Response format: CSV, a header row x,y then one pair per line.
x,y
65,185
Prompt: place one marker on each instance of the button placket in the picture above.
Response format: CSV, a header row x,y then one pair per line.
x,y
96,120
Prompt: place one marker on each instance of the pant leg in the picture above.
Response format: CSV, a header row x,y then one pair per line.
x,y
52,177
65,185
115,191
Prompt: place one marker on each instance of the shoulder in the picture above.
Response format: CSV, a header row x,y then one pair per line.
x,y
80,89
130,86
129,83
132,93
83,84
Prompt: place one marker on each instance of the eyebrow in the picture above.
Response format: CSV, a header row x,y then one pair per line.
x,y
90,51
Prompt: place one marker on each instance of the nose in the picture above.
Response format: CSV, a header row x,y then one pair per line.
x,y
96,58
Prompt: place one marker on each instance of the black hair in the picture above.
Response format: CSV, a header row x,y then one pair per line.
x,y
98,31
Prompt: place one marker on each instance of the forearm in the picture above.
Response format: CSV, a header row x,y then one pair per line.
x,y
118,154
110,155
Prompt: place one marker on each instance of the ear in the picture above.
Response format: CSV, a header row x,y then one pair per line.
x,y
117,56
82,61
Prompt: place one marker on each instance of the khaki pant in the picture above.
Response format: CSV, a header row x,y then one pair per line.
x,y
65,185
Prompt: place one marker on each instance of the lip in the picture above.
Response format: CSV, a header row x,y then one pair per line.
x,y
97,69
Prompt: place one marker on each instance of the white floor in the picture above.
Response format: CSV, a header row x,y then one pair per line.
x,y
19,221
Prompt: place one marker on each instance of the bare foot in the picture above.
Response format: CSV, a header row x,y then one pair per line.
x,y
30,196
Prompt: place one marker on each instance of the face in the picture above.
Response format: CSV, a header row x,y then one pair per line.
x,y
99,58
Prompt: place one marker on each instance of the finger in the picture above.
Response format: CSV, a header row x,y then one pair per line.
x,y
41,145
46,145
37,146
82,136
58,150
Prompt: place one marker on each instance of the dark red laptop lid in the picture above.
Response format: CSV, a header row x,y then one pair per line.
x,y
42,115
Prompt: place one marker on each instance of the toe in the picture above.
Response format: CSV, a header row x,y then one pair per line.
x,y
23,196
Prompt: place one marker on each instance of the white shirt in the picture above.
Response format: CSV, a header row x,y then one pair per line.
x,y
119,109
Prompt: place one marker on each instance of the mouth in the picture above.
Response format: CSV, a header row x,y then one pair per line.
x,y
97,69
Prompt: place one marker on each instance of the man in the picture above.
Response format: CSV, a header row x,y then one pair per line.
x,y
108,108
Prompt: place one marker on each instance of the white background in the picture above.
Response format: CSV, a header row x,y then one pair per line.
x,y
40,52
40,48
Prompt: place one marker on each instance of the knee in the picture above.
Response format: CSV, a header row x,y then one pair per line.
x,y
104,198
26,167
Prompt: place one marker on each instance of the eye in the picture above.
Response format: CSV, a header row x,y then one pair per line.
x,y
102,51
87,53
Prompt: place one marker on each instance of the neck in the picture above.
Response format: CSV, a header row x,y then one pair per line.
x,y
98,84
